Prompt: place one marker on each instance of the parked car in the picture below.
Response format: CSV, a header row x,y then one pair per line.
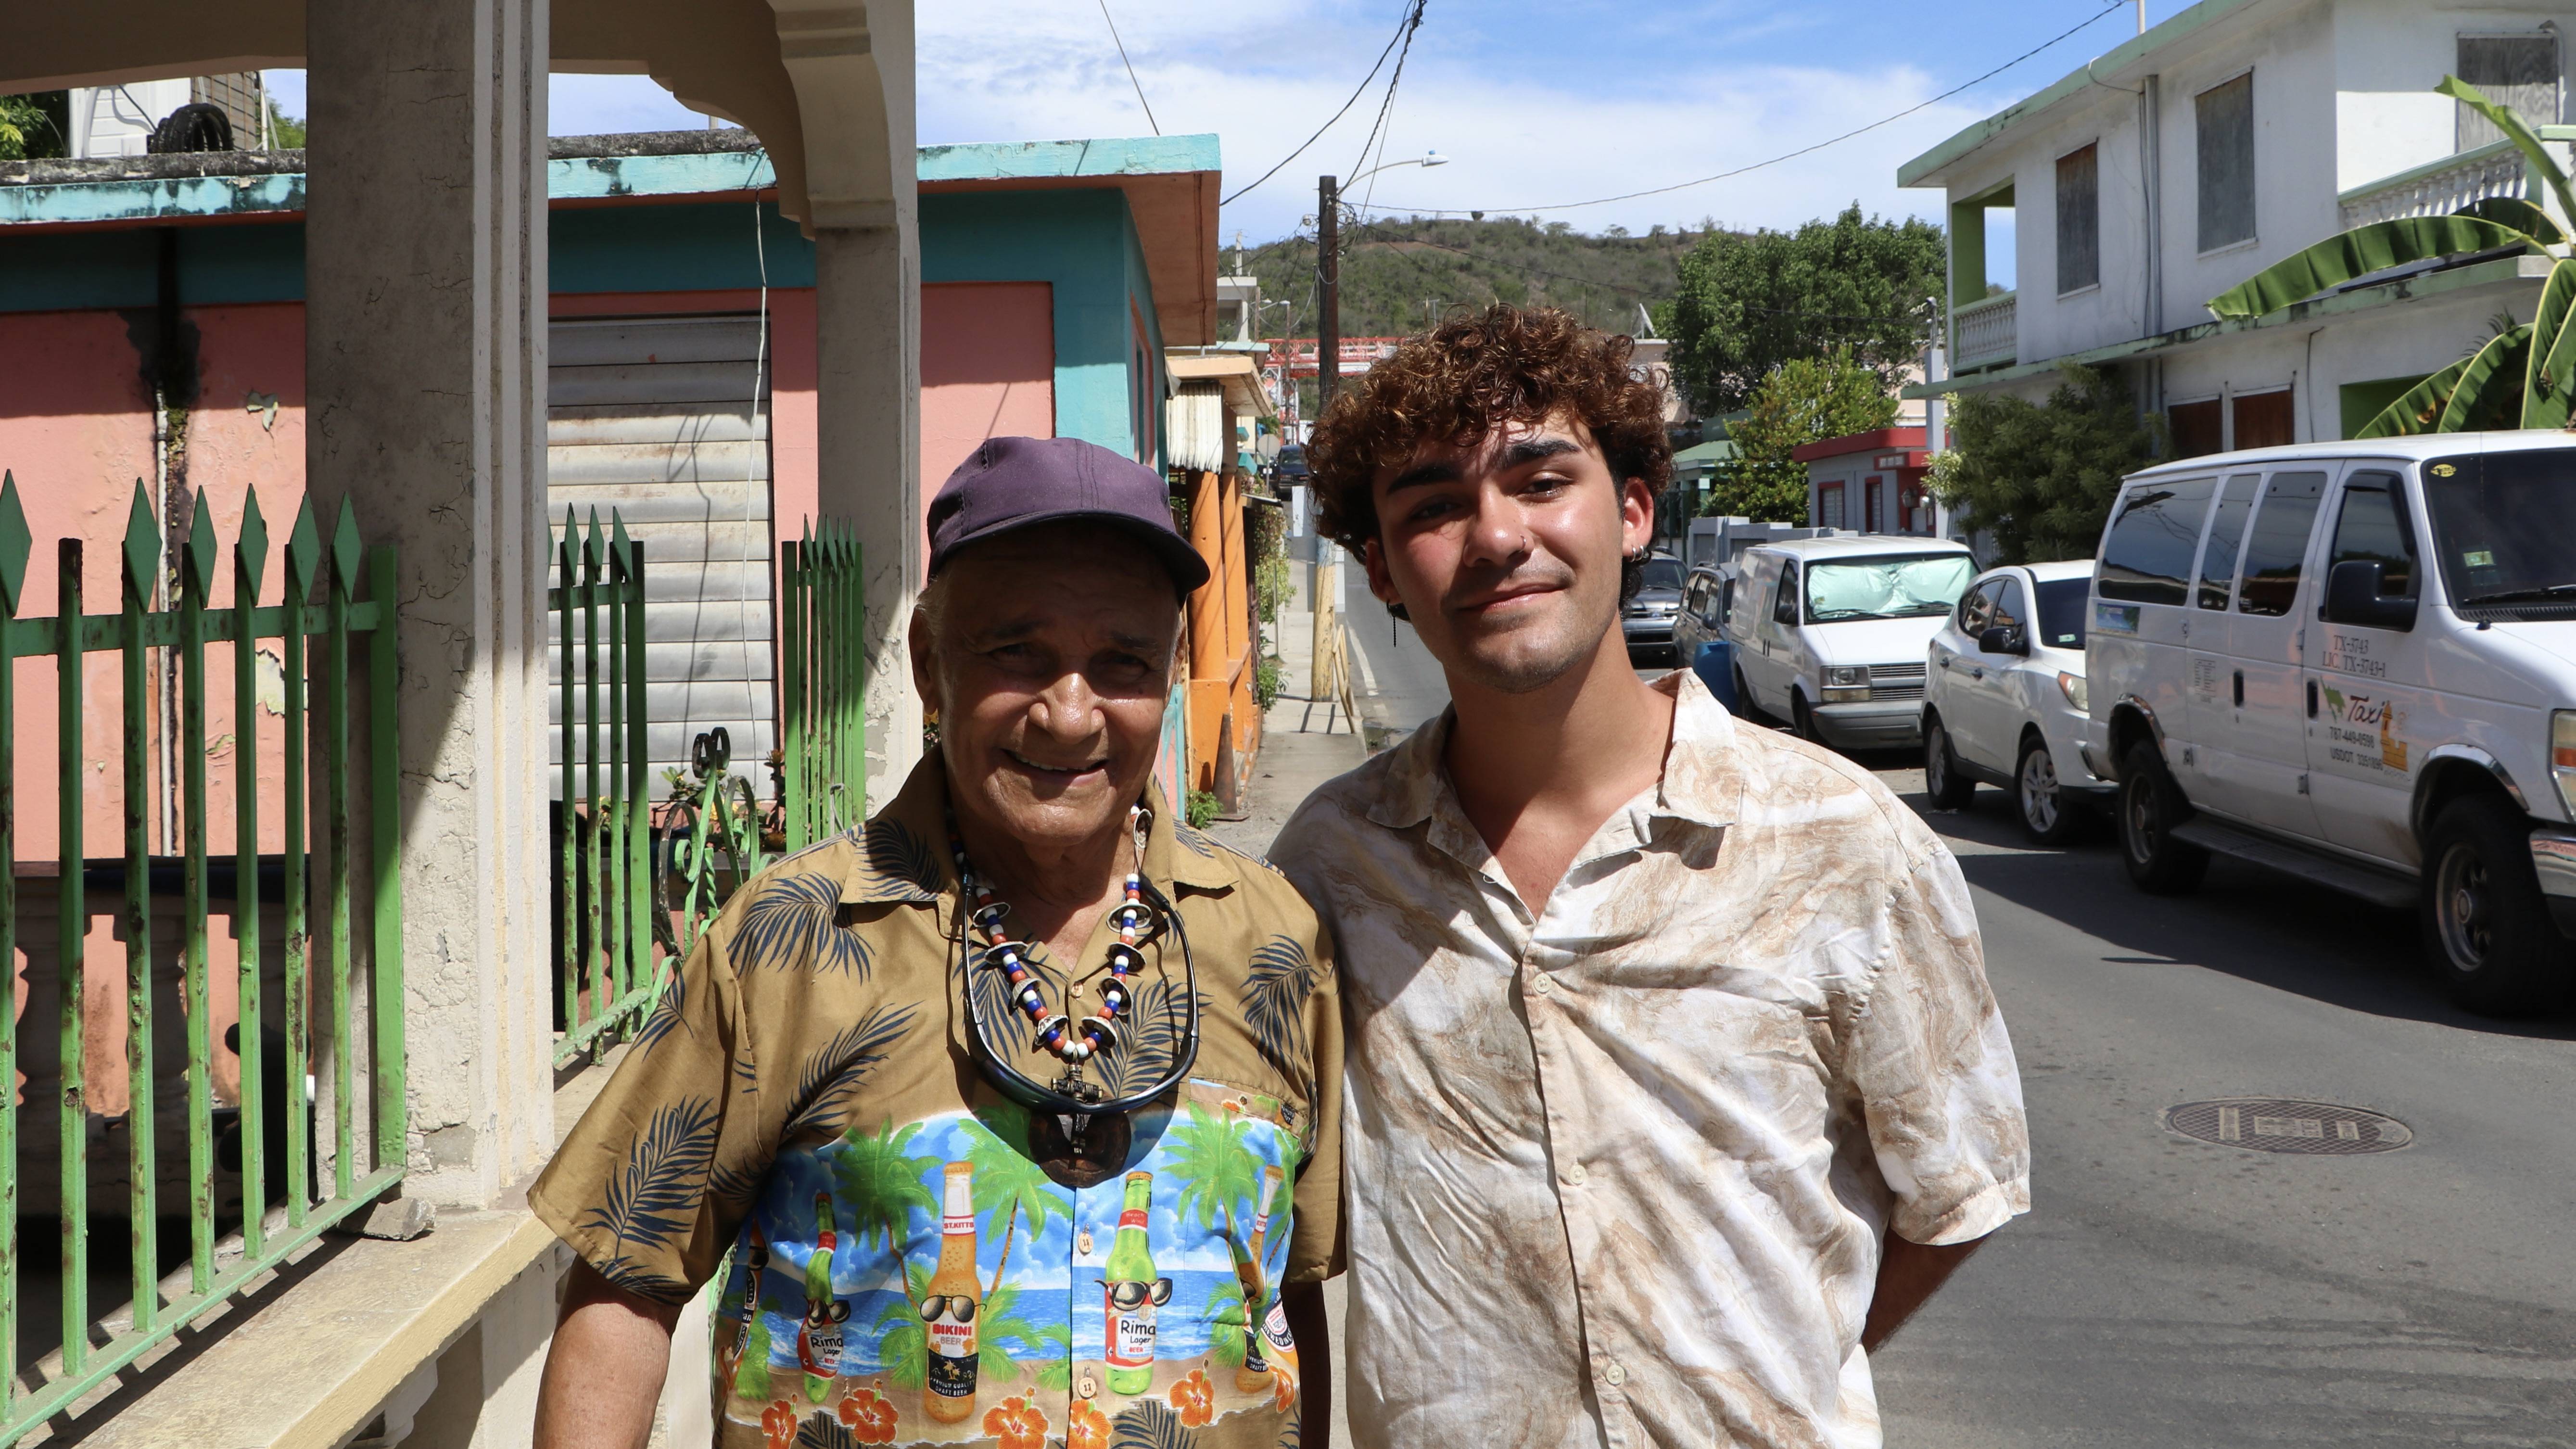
x,y
1647,619
2004,700
2356,662
1706,595
1831,633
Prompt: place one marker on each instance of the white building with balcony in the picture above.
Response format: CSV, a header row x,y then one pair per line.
x,y
2216,144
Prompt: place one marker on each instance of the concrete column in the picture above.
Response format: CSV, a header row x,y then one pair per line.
x,y
867,285
425,286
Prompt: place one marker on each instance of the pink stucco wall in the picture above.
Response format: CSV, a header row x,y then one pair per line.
x,y
987,370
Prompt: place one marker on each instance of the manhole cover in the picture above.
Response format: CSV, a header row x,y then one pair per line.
x,y
2271,1124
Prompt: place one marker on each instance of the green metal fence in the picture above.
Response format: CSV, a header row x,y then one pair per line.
x,y
636,884
351,899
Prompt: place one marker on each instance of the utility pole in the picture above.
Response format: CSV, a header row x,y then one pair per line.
x,y
1328,282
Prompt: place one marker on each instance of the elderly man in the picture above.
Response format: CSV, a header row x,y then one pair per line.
x,y
1012,1116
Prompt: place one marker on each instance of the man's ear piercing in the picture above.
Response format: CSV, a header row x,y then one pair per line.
x,y
1396,611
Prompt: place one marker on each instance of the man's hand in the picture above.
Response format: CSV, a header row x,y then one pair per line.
x,y
1908,1273
1307,1324
604,1371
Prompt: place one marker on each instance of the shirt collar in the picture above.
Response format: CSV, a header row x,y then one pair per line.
x,y
904,853
1702,780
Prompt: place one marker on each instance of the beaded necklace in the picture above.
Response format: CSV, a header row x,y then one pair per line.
x,y
1055,1031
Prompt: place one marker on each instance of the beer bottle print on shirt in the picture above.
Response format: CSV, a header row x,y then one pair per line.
x,y
1252,1376
818,1338
948,1309
1131,1292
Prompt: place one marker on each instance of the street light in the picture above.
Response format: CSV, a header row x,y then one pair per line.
x,y
1428,158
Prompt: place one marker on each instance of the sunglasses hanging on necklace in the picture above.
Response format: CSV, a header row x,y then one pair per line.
x,y
1079,1134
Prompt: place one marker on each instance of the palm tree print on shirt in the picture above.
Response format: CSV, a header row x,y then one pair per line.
x,y
656,1198
794,924
882,1184
840,1067
1275,989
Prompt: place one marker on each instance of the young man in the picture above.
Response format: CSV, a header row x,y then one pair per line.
x,y
1010,1117
1673,1081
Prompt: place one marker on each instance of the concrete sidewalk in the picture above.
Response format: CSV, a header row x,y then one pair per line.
x,y
1303,742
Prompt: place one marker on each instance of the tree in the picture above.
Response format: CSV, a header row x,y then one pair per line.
x,y
2038,480
1802,401
2521,376
34,126
1748,304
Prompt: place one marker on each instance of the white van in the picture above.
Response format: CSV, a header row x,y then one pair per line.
x,y
1831,633
2356,662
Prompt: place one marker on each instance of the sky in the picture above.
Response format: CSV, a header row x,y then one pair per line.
x,y
1532,103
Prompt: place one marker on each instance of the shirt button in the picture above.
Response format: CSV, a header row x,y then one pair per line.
x,y
1574,1174
1541,984
1614,1375
1082,1242
1087,1387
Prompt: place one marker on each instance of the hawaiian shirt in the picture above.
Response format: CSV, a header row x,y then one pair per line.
x,y
1619,1162
804,1115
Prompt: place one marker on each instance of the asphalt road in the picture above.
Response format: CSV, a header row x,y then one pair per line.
x,y
2167,1292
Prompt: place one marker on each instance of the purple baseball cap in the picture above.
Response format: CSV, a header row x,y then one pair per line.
x,y
1013,483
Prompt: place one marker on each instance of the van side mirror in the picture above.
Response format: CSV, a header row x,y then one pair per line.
x,y
2354,596
2002,640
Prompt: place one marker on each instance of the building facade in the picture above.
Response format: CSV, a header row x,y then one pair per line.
x,y
2226,139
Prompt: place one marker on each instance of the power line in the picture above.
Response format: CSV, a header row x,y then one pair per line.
x,y
1402,29
1378,134
1790,155
1131,70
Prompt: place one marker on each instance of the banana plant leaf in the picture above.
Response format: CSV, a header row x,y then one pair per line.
x,y
2419,408
2490,390
2519,214
2548,388
2358,253
2542,164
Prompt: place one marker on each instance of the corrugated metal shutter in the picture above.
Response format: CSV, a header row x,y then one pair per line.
x,y
657,417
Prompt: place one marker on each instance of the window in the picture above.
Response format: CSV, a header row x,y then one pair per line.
x,y
1978,607
2195,427
2147,554
2517,72
1876,519
1784,600
2226,129
1829,505
2079,220
2277,544
1695,598
2372,528
2504,528
2264,419
2061,611
2010,612
2226,540
1920,586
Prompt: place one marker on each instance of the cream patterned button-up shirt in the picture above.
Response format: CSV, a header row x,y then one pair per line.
x,y
1618,1165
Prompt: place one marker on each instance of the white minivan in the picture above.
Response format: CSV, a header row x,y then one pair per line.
x,y
1830,633
2006,698
2356,662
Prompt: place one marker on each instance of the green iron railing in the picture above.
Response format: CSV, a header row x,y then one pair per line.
x,y
636,887
344,636
602,915
823,743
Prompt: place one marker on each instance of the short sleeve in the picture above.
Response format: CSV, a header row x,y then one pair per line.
x,y
1315,1244
1933,1067
649,1188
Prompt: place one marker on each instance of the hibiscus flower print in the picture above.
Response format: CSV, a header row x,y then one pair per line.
x,y
1089,1428
1283,1392
1018,1423
778,1421
1195,1397
870,1416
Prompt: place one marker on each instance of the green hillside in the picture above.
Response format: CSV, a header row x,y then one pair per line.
x,y
1399,274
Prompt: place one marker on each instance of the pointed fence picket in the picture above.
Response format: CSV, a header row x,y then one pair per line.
x,y
241,1229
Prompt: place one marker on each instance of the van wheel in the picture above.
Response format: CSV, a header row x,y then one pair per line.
x,y
2486,925
1942,783
2048,814
1752,708
2151,805
1802,719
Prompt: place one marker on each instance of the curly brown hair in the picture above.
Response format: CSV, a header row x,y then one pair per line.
x,y
1472,373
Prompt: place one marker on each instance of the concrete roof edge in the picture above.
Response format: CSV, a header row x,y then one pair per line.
x,y
1926,169
1101,156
